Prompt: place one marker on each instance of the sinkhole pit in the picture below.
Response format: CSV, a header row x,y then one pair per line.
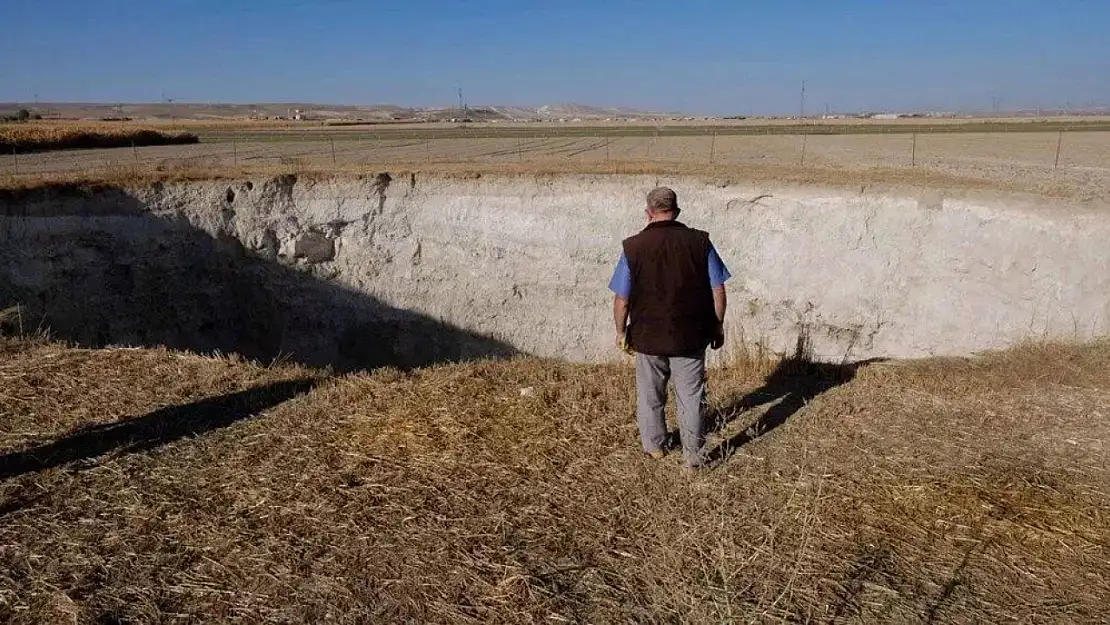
x,y
411,269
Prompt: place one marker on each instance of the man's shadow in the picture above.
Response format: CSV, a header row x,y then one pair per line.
x,y
794,382
161,427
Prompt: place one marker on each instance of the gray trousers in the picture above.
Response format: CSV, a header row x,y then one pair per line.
x,y
688,373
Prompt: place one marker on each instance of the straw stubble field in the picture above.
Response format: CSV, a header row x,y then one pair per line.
x,y
954,490
1066,162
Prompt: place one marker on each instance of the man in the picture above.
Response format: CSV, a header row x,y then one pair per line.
x,y
669,304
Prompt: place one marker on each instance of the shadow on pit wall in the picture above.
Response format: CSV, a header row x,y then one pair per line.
x,y
98,269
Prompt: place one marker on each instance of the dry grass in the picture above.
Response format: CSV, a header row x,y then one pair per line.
x,y
956,490
44,136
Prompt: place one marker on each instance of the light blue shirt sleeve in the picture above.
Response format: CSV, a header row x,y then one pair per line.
x,y
718,273
621,282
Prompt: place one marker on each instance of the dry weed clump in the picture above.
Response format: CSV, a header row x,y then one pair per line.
x,y
967,490
11,321
872,179
40,137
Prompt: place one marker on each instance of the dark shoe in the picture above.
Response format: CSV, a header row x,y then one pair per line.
x,y
673,441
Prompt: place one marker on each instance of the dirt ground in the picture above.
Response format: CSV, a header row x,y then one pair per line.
x,y
1021,161
152,486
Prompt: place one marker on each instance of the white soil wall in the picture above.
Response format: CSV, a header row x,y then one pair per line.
x,y
525,262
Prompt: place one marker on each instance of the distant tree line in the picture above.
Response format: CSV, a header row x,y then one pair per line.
x,y
22,115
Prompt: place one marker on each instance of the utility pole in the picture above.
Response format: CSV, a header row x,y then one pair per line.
x,y
1059,142
802,105
462,112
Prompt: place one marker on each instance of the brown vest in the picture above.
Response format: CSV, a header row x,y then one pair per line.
x,y
670,308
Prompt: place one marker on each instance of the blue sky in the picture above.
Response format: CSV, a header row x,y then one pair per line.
x,y
740,57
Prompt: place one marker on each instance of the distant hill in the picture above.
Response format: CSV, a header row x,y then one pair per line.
x,y
351,113
572,111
